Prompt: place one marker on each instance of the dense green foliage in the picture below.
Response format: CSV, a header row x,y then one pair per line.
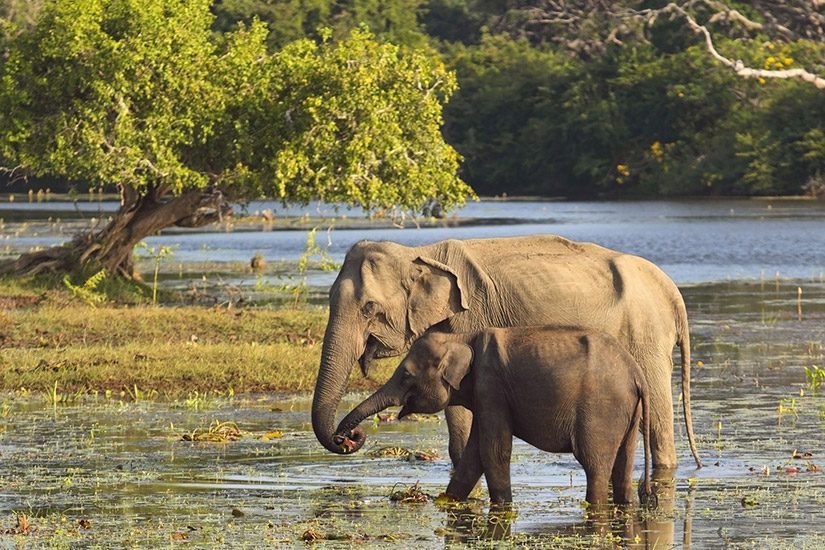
x,y
139,94
550,105
634,121
583,103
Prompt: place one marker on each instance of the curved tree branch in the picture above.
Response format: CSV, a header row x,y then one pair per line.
x,y
588,27
737,66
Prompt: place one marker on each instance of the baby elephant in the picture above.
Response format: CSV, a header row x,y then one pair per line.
x,y
561,389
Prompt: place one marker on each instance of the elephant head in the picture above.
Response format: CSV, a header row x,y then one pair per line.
x,y
385,296
422,383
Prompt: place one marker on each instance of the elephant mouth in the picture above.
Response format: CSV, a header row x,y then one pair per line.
x,y
407,407
375,349
350,441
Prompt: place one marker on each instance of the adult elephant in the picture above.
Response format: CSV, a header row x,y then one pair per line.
x,y
387,295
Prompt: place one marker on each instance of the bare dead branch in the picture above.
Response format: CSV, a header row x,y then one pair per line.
x,y
588,27
737,66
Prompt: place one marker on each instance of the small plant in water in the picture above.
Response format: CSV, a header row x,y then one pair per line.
x,y
788,406
411,494
23,527
136,394
196,401
218,432
815,377
427,455
55,396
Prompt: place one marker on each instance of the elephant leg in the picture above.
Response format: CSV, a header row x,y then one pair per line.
x,y
622,476
658,369
459,423
496,441
597,464
661,526
597,485
662,446
468,473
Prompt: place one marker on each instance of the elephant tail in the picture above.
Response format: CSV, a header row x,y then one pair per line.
x,y
684,348
646,496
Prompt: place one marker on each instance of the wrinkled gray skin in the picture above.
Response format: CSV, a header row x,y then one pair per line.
x,y
560,389
387,295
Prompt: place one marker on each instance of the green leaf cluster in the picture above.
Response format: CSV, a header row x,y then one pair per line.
x,y
90,291
354,121
110,92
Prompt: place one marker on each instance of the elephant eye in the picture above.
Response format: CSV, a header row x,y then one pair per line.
x,y
369,309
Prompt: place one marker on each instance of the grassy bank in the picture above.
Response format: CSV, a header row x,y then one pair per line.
x,y
49,338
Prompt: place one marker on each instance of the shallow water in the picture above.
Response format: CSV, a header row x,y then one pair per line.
x,y
124,467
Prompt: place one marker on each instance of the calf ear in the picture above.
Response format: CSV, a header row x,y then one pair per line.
x,y
455,363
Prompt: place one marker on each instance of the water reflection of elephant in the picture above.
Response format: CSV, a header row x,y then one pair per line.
x,y
629,527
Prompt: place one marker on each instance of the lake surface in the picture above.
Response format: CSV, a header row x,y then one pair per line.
x,y
692,241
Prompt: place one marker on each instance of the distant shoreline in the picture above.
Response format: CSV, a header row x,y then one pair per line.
x,y
85,198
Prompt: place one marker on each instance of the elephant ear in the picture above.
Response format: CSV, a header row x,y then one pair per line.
x,y
455,363
435,294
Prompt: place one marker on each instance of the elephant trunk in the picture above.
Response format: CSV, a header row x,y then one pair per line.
x,y
338,357
349,437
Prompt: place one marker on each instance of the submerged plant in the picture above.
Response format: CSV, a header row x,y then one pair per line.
x,y
788,406
407,454
815,377
136,394
55,396
196,401
218,432
23,526
412,494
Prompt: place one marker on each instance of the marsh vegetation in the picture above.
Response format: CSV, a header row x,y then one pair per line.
x,y
136,425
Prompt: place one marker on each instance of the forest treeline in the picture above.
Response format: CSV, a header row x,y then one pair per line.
x,y
593,98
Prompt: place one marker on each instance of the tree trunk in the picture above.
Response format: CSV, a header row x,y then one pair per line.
x,y
112,247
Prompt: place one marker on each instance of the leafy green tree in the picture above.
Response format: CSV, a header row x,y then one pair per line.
x,y
504,119
137,94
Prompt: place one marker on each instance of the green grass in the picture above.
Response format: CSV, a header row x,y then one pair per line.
x,y
49,340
